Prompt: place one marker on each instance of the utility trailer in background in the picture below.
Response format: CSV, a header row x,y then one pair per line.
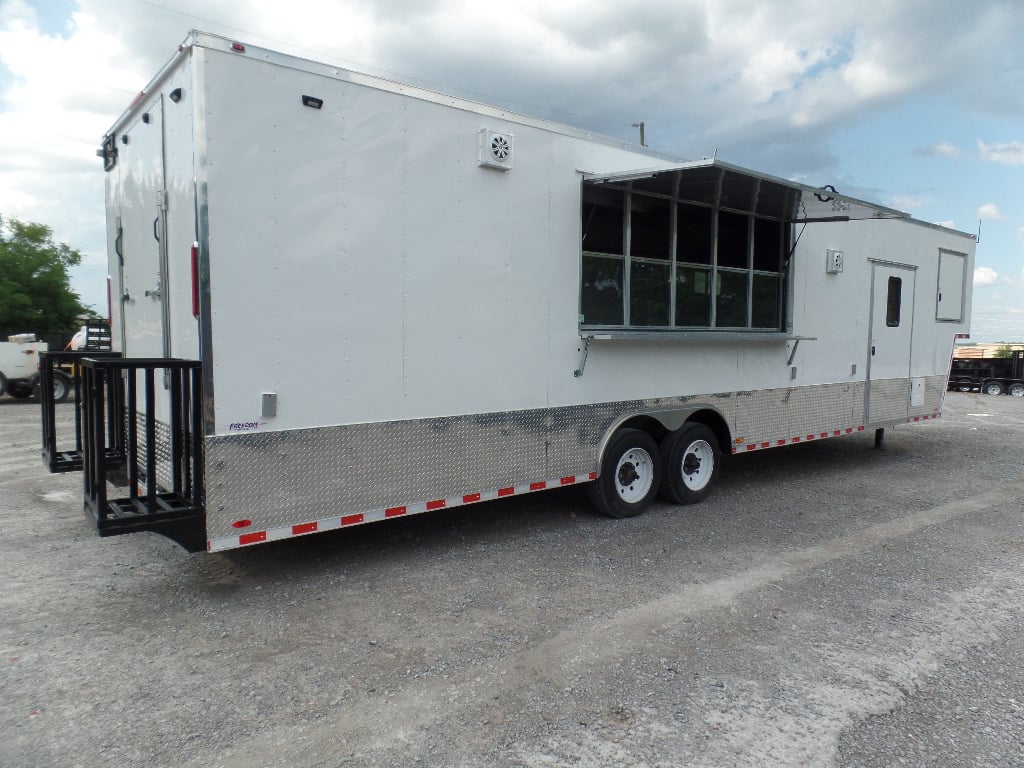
x,y
342,299
991,375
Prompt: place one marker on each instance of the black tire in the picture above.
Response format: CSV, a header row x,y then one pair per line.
x,y
630,475
686,455
993,388
20,391
1017,390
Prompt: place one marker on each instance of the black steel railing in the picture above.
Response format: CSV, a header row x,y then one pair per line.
x,y
163,444
60,454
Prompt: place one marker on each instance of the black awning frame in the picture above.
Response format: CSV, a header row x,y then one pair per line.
x,y
716,183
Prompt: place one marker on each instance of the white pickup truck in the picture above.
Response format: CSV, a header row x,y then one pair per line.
x,y
19,368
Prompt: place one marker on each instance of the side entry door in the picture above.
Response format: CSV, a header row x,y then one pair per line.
x,y
889,343
143,252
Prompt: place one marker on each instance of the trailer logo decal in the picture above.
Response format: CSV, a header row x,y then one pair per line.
x,y
244,426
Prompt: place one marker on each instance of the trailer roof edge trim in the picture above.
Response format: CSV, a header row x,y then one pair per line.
x,y
210,41
714,182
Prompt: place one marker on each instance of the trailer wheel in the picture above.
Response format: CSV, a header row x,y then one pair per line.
x,y
630,474
993,388
61,387
692,457
1017,390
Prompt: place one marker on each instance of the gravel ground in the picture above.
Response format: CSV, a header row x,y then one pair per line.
x,y
829,605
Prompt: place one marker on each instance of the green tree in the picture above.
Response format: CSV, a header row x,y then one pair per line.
x,y
1004,351
35,289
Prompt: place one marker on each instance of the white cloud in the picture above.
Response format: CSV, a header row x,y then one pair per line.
x,y
989,212
941,149
985,276
1008,153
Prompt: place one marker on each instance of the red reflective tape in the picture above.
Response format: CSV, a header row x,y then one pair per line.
x,y
303,528
538,486
252,538
568,480
824,434
796,439
765,445
810,437
836,432
849,430
506,491
394,511
592,475
751,447
780,442
860,429
435,504
195,279
351,519
469,498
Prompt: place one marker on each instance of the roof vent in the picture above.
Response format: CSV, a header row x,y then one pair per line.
x,y
495,149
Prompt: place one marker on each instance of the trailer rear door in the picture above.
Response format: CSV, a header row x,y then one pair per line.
x,y
892,319
143,221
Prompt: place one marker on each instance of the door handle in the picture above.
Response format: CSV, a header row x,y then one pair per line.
x,y
872,350
156,235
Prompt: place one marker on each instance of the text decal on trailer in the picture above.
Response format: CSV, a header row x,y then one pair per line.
x,y
245,426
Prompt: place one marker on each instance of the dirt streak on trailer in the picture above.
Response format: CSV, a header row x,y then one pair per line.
x,y
342,299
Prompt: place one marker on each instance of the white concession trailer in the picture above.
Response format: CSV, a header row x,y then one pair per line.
x,y
341,299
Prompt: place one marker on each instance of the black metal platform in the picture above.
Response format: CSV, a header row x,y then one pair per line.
x,y
164,473
58,453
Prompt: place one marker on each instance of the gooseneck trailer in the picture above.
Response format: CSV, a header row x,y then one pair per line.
x,y
340,299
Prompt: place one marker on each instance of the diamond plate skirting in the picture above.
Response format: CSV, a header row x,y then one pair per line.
x,y
163,450
279,478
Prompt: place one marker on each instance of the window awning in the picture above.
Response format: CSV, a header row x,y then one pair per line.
x,y
712,182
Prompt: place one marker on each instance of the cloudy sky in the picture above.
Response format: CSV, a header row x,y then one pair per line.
x,y
916,104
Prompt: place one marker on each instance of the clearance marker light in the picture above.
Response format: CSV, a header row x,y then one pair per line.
x,y
238,47
195,279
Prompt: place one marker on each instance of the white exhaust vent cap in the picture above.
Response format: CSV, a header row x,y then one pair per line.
x,y
495,149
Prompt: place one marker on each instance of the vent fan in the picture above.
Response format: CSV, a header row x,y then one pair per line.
x,y
495,149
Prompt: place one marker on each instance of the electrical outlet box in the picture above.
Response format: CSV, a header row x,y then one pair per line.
x,y
833,262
